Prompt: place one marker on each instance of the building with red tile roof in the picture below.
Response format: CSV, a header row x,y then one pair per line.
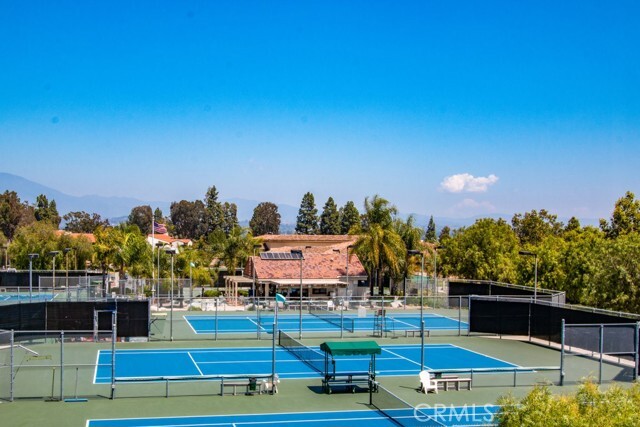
x,y
322,272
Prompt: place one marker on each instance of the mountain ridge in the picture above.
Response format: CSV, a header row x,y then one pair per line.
x,y
117,208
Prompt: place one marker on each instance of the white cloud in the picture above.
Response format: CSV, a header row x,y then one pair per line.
x,y
467,183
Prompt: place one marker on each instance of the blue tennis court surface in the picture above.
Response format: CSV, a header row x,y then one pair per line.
x,y
437,416
24,297
395,360
291,323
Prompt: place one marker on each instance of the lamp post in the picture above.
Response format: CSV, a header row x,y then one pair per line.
x,y
253,273
53,255
171,252
416,252
31,258
6,255
435,269
158,245
298,254
535,280
66,251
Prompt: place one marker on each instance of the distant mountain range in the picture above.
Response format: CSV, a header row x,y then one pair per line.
x,y
117,209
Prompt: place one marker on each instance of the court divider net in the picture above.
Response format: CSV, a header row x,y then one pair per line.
x,y
311,357
399,411
334,318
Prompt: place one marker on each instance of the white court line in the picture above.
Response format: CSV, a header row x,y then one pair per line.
x,y
409,324
194,363
487,356
401,357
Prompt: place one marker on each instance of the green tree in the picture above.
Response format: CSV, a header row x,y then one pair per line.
x,y
580,263
411,237
134,253
189,219
82,222
330,218
230,215
616,281
40,238
349,217
215,215
234,250
625,218
379,246
445,234
532,227
572,225
46,211
265,219
430,233
141,216
157,216
486,250
588,407
307,221
13,213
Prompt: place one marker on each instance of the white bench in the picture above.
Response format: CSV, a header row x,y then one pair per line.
x,y
453,380
234,384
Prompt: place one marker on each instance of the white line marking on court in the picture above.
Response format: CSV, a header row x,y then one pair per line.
x,y
401,357
255,323
409,324
194,362
488,357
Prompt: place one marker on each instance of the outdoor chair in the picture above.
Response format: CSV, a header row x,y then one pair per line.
x,y
427,383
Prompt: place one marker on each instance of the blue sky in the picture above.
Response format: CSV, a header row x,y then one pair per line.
x,y
450,108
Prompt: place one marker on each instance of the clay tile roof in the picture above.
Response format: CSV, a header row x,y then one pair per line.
x,y
326,265
307,238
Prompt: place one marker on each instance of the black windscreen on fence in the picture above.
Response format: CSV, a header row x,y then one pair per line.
x,y
23,316
515,317
133,316
616,338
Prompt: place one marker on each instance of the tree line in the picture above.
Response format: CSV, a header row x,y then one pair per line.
x,y
596,266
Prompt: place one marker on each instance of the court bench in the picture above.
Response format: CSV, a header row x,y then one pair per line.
x,y
251,386
414,332
350,380
454,380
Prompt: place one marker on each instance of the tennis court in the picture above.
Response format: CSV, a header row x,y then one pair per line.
x,y
24,297
437,416
395,360
311,323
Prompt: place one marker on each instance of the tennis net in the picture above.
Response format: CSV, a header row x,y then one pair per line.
x,y
311,357
332,317
398,411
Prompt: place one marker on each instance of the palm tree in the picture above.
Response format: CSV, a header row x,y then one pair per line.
x,y
235,249
411,235
379,246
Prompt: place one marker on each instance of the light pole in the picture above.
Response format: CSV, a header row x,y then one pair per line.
x,y
6,255
54,254
171,252
31,258
435,269
535,280
296,253
158,245
66,251
416,252
253,273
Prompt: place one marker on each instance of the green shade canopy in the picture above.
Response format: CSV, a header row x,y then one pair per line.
x,y
351,348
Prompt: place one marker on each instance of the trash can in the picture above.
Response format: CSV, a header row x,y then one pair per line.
x,y
252,384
